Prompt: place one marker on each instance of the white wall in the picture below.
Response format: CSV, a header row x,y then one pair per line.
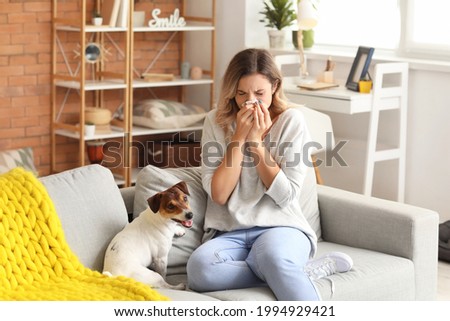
x,y
232,27
231,34
428,149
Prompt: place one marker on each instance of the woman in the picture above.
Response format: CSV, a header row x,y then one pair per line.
x,y
253,171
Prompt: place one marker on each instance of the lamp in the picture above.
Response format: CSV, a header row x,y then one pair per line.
x,y
306,20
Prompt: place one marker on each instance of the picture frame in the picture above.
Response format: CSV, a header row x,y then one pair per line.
x,y
360,67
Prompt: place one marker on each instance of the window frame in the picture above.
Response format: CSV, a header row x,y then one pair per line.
x,y
413,49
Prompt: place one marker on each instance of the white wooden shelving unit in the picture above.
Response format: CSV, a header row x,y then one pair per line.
x,y
75,81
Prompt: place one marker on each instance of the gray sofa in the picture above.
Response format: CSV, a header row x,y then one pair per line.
x,y
393,245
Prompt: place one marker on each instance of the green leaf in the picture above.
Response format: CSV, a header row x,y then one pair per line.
x,y
278,14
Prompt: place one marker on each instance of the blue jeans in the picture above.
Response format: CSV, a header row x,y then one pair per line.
x,y
272,257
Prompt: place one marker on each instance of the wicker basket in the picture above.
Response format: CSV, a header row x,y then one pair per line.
x,y
97,116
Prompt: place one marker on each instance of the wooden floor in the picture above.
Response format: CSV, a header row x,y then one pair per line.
x,y
443,281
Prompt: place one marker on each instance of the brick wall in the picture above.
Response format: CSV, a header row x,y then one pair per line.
x,y
25,63
25,67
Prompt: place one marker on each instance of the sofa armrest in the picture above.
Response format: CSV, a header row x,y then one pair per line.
x,y
384,226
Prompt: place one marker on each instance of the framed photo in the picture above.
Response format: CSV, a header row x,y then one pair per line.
x,y
360,67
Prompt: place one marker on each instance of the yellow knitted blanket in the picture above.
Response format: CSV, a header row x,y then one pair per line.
x,y
36,263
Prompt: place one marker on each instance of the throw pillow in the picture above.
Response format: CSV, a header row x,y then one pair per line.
x,y
161,114
22,157
91,210
152,180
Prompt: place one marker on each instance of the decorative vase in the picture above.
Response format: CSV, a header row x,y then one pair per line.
x,y
185,70
308,38
276,39
95,151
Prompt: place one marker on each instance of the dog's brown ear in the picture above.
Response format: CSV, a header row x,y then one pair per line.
x,y
154,202
183,187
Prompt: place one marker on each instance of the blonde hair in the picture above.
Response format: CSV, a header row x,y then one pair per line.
x,y
244,63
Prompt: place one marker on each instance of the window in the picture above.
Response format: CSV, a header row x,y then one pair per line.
x,y
427,27
355,22
412,27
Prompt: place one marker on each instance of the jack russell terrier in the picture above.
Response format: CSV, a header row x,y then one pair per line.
x,y
141,249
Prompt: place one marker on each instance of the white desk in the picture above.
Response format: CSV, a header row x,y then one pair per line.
x,y
344,101
337,99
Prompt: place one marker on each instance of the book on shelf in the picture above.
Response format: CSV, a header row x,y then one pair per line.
x,y
122,18
110,11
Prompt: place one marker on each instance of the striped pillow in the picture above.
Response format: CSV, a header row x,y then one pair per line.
x,y
12,158
161,114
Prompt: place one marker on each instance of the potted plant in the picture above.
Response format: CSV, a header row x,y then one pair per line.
x,y
89,129
97,19
278,14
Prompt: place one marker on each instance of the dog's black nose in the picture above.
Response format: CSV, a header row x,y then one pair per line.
x,y
189,215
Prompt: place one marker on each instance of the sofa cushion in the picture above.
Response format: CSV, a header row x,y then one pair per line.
x,y
91,209
152,180
375,276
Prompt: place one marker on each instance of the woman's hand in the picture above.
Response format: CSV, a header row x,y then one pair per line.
x,y
265,165
244,121
260,124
